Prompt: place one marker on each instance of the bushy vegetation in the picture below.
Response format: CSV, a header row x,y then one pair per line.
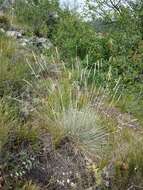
x,y
86,91
37,16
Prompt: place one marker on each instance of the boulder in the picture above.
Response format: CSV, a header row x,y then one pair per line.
x,y
42,42
14,34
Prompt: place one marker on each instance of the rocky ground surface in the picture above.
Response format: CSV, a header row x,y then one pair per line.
x,y
122,119
19,35
53,168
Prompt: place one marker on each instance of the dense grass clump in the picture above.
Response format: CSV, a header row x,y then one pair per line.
x,y
67,106
128,164
14,68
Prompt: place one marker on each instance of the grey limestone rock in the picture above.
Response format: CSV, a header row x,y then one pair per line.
x,y
6,4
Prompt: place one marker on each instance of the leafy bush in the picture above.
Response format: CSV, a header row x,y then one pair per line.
x,y
74,37
36,15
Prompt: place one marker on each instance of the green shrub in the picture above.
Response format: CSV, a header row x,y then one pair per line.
x,y
76,38
36,15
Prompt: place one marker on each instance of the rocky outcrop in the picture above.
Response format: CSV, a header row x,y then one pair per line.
x,y
34,41
6,4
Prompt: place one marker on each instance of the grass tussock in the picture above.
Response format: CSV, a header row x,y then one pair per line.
x,y
127,161
68,106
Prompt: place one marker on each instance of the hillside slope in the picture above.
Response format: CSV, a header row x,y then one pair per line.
x,y
63,121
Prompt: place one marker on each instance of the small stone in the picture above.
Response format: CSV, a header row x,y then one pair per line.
x,y
2,30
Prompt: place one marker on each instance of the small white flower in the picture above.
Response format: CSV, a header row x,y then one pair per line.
x,y
73,184
60,182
